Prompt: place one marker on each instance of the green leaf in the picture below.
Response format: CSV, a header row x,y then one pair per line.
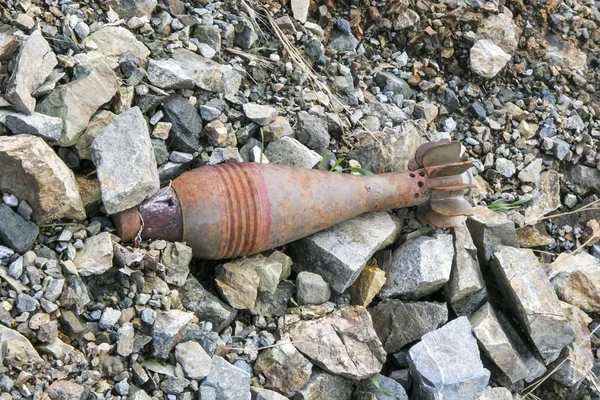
x,y
337,164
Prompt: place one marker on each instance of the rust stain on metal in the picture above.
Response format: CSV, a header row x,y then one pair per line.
x,y
238,209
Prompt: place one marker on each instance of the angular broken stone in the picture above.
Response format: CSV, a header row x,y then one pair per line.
x,y
545,199
379,387
340,253
34,63
74,105
34,173
193,359
496,345
37,124
238,284
419,267
176,258
311,289
128,9
207,74
466,288
16,347
283,367
125,336
576,280
16,232
399,323
113,41
289,151
205,305
225,381
446,364
125,162
168,74
577,359
274,304
342,342
96,256
490,230
325,385
397,150
486,59
529,294
260,113
98,122
168,330
367,286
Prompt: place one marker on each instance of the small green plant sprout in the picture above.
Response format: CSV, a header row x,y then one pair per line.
x,y
381,390
501,206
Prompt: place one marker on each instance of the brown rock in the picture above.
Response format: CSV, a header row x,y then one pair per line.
x,y
284,368
238,284
533,236
576,279
369,283
34,173
546,199
591,233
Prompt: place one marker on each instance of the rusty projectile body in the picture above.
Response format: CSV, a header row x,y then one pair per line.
x,y
238,209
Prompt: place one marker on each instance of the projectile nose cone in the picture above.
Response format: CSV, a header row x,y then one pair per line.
x,y
127,223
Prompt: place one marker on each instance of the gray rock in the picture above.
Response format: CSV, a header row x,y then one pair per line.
x,y
531,173
207,74
66,101
245,35
561,149
16,232
16,347
176,258
289,151
260,113
205,305
311,289
490,230
125,338
274,304
340,253
283,367
186,123
168,330
96,256
532,299
419,267
505,167
388,82
193,359
342,42
575,123
380,387
54,289
113,41
37,124
264,394
583,179
210,35
322,385
399,323
33,65
168,74
137,8
209,113
426,111
496,345
300,9
26,303
486,59
161,153
110,317
97,123
388,151
122,387
34,173
225,382
65,388
465,290
227,154
342,342
497,393
446,364
125,162
311,131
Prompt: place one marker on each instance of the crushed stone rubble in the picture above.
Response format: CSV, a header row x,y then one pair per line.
x,y
103,103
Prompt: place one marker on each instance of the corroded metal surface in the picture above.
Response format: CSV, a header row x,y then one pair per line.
x,y
238,209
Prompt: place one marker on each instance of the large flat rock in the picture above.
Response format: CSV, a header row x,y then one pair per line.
x,y
340,253
490,230
531,297
446,364
33,172
207,74
125,162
